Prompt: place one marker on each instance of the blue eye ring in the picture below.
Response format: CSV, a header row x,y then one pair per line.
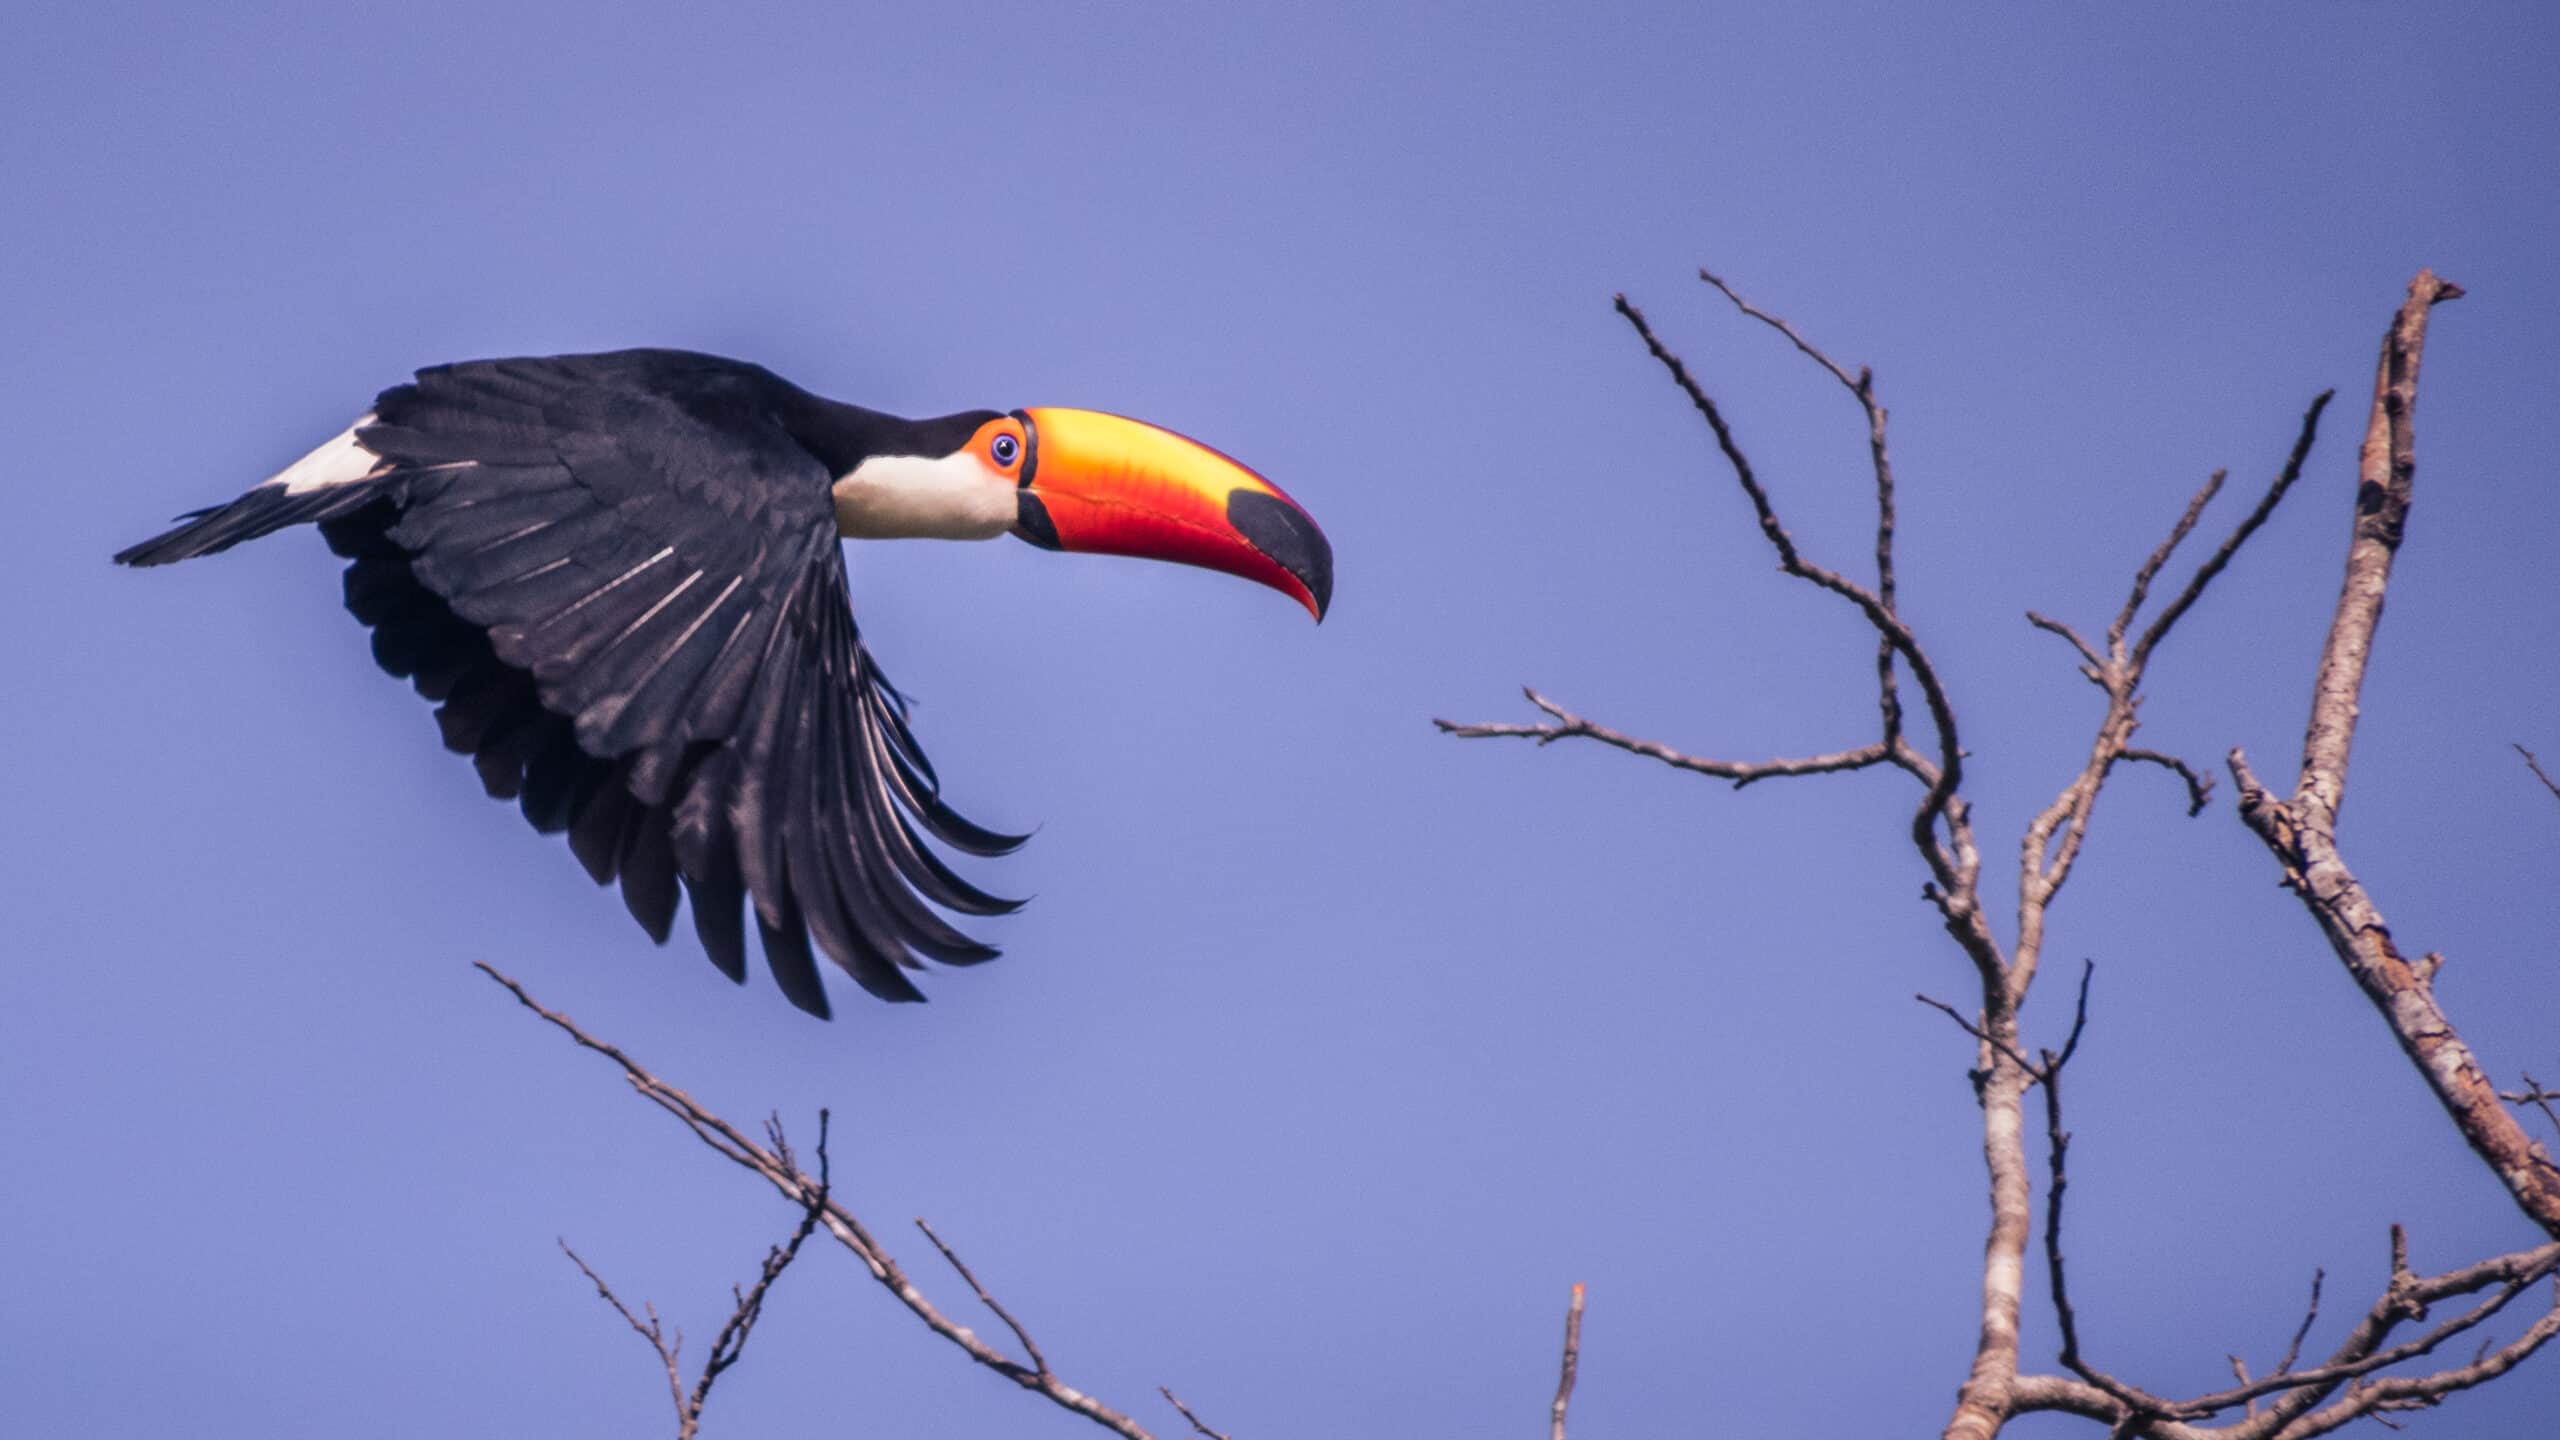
x,y
1005,448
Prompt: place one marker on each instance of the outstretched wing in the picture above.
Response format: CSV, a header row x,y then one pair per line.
x,y
619,577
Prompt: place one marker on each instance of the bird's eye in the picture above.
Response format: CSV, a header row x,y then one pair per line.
x,y
1005,448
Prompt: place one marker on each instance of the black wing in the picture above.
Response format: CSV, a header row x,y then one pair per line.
x,y
619,576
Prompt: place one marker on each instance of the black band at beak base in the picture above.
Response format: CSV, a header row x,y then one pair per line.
x,y
1031,521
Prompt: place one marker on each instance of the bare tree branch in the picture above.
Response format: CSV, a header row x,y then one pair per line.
x,y
2220,559
840,1223
1953,861
1862,388
2053,839
1572,1363
1567,725
2404,1299
1994,1391
730,1345
2302,832
2417,1392
1946,775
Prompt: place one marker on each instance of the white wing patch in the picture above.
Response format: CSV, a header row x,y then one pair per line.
x,y
339,462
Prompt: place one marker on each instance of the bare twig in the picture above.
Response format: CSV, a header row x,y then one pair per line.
x,y
2310,1315
1198,1426
2199,785
731,1343
1039,1363
1988,1040
1567,725
2079,1018
2138,1404
2161,624
2414,1392
2535,1095
669,1350
2361,1354
1861,388
2095,666
841,1224
1572,1363
2539,773
1945,776
2404,1299
2150,567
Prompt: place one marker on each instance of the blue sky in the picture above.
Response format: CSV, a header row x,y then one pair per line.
x,y
1332,1051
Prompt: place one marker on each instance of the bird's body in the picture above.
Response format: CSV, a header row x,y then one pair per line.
x,y
619,577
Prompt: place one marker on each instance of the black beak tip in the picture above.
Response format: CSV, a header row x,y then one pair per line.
x,y
1289,536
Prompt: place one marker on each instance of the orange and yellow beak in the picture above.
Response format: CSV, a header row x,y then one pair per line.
x,y
1114,486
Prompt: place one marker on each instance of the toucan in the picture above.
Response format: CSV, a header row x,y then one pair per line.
x,y
619,578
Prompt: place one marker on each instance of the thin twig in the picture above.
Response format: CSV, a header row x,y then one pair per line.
x,y
1862,388
1198,1425
2539,773
2138,1404
669,1352
2150,567
2199,785
2095,668
730,1345
2079,1017
1978,1033
2310,1314
2535,1095
2160,626
1811,351
2405,1298
1040,1363
1946,775
1566,725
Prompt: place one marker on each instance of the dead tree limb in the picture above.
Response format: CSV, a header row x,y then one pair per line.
x,y
2302,831
2287,1403
1941,828
776,1167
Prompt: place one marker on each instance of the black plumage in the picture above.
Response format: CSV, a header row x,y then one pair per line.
x,y
618,575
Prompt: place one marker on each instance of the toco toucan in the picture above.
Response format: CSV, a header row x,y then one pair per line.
x,y
618,576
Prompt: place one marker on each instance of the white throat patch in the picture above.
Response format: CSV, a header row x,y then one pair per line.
x,y
911,497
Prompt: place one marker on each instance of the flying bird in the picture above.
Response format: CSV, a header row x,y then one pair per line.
x,y
618,576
